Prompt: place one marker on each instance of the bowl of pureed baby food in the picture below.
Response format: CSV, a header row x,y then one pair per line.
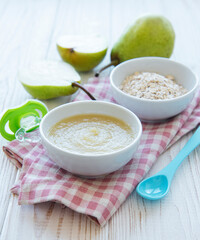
x,y
90,138
153,88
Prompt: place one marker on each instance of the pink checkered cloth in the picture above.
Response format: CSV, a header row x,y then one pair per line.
x,y
42,180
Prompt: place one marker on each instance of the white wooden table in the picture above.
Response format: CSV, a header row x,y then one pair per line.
x,y
28,31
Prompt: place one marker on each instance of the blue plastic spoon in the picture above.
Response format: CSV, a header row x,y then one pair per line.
x,y
157,186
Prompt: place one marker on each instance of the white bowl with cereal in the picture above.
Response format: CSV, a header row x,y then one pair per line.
x,y
90,138
153,88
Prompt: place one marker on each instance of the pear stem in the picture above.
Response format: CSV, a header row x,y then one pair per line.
x,y
75,84
113,62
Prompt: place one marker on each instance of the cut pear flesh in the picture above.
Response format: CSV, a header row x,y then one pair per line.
x,y
83,52
83,43
49,79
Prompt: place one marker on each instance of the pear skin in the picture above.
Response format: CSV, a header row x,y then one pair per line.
x,y
82,62
149,36
49,92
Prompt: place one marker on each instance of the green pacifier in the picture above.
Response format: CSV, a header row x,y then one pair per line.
x,y
16,122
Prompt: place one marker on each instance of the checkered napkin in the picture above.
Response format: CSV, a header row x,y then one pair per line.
x,y
42,180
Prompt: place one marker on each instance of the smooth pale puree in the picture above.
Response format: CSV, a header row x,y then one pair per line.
x,y
91,134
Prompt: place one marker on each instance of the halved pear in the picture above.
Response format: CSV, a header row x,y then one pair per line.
x,y
49,79
83,52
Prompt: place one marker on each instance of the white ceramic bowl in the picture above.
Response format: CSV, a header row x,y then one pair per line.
x,y
154,110
90,165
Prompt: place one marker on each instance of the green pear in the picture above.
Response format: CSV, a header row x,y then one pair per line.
x,y
150,35
81,51
49,79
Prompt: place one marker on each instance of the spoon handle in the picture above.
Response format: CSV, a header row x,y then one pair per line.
x,y
193,142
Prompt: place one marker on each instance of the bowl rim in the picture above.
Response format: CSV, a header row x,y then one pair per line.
x,y
135,140
152,100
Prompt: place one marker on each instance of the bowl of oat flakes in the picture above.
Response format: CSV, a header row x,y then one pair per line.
x,y
154,88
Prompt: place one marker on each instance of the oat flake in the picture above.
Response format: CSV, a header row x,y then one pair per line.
x,y
152,86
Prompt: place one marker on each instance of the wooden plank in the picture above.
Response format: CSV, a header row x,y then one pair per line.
x,y
26,32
